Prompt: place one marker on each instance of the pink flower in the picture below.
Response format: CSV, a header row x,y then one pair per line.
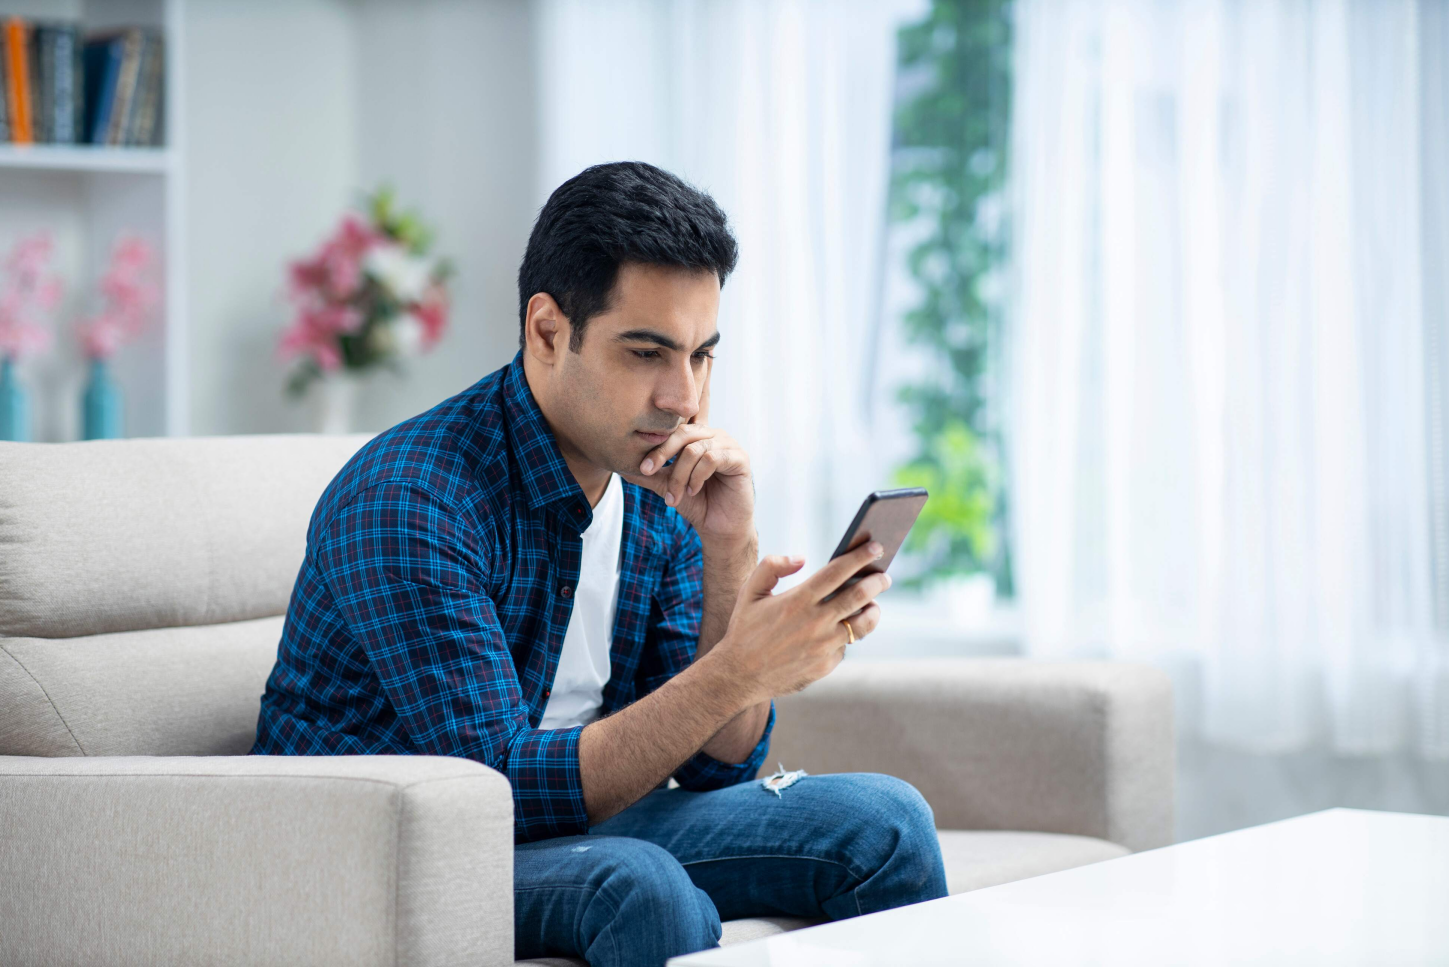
x,y
315,332
299,339
334,272
101,335
28,294
432,312
331,292
130,294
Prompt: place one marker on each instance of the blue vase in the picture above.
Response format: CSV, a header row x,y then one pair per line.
x,y
14,404
102,404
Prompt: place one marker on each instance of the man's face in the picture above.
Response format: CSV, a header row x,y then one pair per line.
x,y
643,368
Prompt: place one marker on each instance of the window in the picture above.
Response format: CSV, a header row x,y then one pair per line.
x,y
948,233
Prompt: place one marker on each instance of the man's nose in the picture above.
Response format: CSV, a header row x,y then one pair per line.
x,y
679,393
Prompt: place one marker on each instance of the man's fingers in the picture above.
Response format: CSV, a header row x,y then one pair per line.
x,y
834,574
656,484
767,573
866,621
723,459
684,465
858,595
680,437
707,466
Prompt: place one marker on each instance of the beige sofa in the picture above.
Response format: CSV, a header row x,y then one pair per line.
x,y
142,588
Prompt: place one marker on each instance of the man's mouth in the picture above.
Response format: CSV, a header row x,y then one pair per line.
x,y
653,439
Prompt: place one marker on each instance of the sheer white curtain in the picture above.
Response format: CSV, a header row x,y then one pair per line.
x,y
1229,414
781,110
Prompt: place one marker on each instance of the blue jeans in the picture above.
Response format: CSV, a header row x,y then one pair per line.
x,y
655,881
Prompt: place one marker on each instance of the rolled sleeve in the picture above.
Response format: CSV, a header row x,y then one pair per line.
x,y
407,578
703,772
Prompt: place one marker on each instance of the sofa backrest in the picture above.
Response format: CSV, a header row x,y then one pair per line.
x,y
143,584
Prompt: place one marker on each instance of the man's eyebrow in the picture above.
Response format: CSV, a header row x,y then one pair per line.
x,y
648,335
658,338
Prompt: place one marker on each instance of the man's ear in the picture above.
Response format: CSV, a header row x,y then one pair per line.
x,y
546,329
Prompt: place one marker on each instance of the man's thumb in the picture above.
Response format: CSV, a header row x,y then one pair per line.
x,y
768,572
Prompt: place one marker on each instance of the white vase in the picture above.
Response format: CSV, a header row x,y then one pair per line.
x,y
337,394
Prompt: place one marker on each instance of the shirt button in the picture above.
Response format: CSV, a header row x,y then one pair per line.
x,y
566,590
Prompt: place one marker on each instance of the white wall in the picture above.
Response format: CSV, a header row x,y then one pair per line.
x,y
271,130
447,115
296,107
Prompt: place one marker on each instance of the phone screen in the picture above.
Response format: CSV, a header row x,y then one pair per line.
x,y
885,516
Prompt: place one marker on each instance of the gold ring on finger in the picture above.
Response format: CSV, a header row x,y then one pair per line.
x,y
848,630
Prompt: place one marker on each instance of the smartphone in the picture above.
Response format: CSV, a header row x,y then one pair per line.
x,y
885,516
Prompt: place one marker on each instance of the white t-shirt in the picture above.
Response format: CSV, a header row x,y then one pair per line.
x,y
583,665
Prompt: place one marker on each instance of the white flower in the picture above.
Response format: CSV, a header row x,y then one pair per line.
x,y
406,276
402,334
407,332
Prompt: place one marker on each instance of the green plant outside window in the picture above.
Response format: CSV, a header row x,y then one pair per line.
x,y
948,192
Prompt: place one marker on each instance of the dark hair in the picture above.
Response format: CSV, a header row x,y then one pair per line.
x,y
624,211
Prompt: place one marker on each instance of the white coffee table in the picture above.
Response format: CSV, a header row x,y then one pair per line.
x,y
1342,886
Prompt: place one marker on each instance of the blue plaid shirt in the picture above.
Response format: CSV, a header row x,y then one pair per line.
x,y
431,605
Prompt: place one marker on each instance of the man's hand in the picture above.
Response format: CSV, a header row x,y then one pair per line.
x,y
709,482
779,643
776,643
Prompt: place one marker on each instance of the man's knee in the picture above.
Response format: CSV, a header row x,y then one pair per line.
x,y
885,804
896,824
646,888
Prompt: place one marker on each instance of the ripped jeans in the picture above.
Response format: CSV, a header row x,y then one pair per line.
x,y
655,881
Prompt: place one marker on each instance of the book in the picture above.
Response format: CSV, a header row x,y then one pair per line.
x,y
17,80
4,105
148,64
125,90
102,68
144,128
57,87
65,84
42,70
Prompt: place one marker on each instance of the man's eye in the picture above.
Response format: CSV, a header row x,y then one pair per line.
x,y
646,353
703,355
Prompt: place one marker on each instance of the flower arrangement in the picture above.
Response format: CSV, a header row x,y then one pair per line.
x,y
130,294
369,296
28,294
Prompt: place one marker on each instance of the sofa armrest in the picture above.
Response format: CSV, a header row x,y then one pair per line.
x,y
1059,747
243,860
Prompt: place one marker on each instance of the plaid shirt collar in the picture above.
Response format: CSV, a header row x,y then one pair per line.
x,y
548,481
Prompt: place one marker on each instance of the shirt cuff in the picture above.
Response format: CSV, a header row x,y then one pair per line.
x,y
703,772
548,788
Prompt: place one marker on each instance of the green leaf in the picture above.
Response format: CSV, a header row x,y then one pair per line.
x,y
950,154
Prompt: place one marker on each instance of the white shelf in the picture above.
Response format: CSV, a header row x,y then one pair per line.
x,y
85,197
66,157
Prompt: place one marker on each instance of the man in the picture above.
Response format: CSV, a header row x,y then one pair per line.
x,y
554,573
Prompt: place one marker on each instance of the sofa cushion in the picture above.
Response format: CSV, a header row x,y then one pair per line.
x,y
120,535
977,858
168,691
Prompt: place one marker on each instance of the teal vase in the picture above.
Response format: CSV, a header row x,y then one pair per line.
x,y
14,404
102,404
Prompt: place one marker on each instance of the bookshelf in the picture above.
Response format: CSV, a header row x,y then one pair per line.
x,y
86,195
64,157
